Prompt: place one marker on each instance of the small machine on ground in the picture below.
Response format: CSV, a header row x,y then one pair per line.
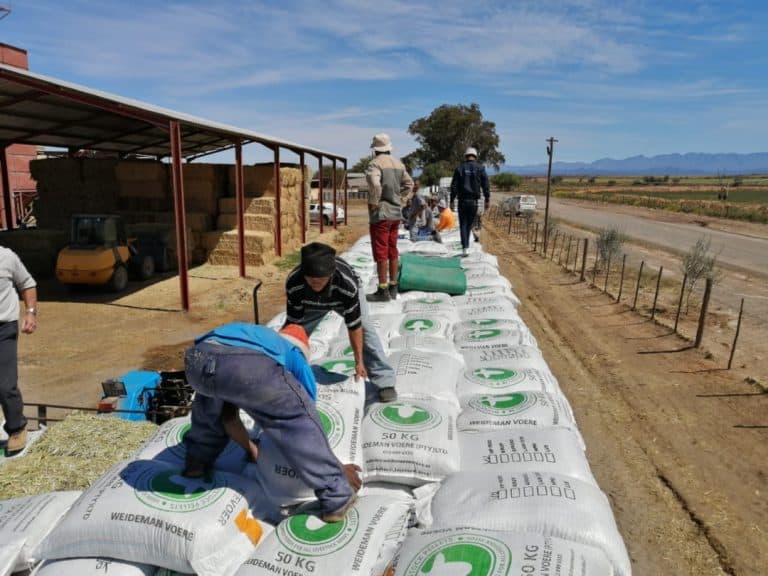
x,y
100,253
142,395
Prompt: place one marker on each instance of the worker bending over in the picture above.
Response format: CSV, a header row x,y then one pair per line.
x,y
266,374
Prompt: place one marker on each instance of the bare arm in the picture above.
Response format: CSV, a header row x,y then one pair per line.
x,y
29,321
356,341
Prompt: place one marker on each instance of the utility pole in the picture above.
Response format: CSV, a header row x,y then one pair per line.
x,y
550,149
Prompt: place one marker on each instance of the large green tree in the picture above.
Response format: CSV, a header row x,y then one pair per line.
x,y
362,164
448,131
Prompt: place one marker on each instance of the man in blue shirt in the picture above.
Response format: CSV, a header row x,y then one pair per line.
x,y
266,374
469,183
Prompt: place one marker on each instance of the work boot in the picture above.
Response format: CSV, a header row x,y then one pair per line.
x,y
388,394
393,291
465,252
381,295
338,515
436,237
16,443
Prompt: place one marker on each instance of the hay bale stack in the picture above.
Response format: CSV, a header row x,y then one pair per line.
x,y
72,454
252,222
37,248
143,179
257,180
204,184
222,247
252,206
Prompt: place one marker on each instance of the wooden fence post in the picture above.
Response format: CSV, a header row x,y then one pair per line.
x,y
736,337
607,273
703,315
656,296
509,227
568,253
680,300
594,268
554,245
584,259
637,288
621,281
536,238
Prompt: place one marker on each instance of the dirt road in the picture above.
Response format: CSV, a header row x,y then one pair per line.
x,y
679,446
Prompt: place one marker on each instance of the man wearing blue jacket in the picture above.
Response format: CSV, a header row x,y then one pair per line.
x,y
266,374
470,181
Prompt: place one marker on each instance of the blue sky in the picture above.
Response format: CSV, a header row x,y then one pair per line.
x,y
608,78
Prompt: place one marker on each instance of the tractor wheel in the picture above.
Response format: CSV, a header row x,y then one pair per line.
x,y
119,280
146,267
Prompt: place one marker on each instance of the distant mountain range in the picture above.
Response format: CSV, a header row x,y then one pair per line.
x,y
690,164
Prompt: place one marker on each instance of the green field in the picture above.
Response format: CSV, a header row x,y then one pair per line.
x,y
741,195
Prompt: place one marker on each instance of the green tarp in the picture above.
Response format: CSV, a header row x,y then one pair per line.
x,y
432,274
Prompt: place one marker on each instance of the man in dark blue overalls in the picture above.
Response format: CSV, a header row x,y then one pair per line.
x,y
266,374
469,182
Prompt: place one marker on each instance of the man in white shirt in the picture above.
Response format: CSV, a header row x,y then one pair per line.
x,y
14,280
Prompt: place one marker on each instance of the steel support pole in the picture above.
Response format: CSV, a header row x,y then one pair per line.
x,y
346,194
180,212
303,217
5,183
320,191
279,213
333,183
240,204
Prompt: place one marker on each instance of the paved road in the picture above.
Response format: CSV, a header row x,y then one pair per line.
x,y
744,252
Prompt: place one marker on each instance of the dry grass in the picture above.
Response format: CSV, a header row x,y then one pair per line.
x,y
71,454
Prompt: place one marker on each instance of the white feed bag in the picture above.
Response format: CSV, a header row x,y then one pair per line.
x,y
277,321
478,299
25,522
489,291
432,324
145,511
432,304
492,379
424,374
421,343
509,357
93,567
9,555
472,552
478,273
500,309
340,408
167,445
489,281
303,545
548,450
429,248
386,325
360,260
546,504
478,256
340,348
516,410
477,267
389,307
328,329
404,244
506,336
410,442
318,349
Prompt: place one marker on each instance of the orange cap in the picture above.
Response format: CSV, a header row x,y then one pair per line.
x,y
296,335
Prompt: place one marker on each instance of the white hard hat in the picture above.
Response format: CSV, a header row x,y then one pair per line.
x,y
471,151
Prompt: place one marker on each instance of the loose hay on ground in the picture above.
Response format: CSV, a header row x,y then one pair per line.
x,y
72,453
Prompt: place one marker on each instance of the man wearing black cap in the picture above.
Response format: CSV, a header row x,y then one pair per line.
x,y
324,283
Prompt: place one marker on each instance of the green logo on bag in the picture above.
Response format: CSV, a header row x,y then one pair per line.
x,y
419,325
495,377
308,535
484,322
174,440
405,417
470,555
340,366
484,334
169,490
430,300
331,421
503,404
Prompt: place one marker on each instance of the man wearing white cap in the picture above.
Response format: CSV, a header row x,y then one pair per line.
x,y
388,184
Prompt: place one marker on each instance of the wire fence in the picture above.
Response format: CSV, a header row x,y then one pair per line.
x,y
663,296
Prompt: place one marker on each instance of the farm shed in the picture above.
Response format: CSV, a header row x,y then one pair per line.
x,y
42,111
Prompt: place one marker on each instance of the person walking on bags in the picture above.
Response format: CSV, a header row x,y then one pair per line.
x,y
14,280
266,374
388,184
324,283
469,182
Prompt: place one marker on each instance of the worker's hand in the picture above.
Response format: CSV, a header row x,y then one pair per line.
x,y
360,371
253,451
352,472
28,323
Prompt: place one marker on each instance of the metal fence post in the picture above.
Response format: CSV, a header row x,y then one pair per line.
x,y
703,315
621,281
637,288
584,259
680,300
656,296
736,337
